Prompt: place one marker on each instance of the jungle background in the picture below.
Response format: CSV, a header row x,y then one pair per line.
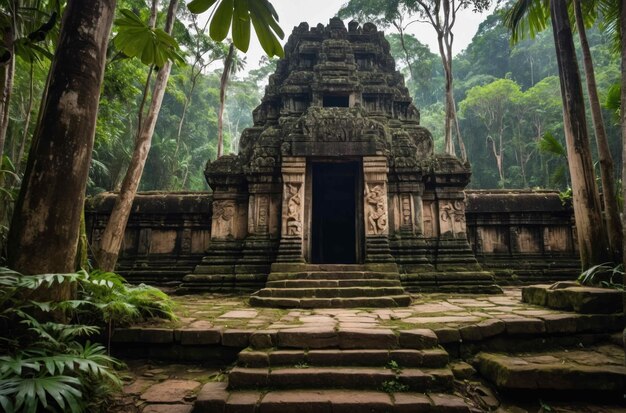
x,y
508,101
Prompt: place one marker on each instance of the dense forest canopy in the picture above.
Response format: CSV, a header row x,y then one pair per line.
x,y
507,98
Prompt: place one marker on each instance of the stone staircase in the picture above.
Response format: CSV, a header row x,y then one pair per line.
x,y
333,286
322,370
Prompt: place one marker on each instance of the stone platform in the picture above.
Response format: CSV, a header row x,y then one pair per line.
x,y
409,359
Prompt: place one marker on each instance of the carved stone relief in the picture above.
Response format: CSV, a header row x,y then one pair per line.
x,y
376,205
406,210
263,213
429,222
293,213
223,219
452,218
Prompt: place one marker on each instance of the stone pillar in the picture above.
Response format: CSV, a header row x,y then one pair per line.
x,y
260,245
408,244
454,252
376,209
292,224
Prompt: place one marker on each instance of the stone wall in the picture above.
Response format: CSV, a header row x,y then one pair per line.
x,y
166,236
522,236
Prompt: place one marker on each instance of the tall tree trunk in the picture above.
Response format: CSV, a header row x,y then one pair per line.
x,y
228,64
449,104
623,127
587,211
29,111
45,227
7,75
114,232
607,172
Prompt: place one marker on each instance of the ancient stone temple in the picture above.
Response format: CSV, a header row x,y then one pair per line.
x,y
336,197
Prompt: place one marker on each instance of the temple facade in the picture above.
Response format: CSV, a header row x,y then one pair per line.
x,y
337,176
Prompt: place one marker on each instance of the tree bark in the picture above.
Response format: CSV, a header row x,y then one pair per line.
x,y
113,235
587,211
607,172
44,233
7,75
623,127
228,64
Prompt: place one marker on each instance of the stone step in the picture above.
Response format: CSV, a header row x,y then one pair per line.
x,y
215,398
333,283
429,358
333,275
412,379
558,371
327,337
352,302
330,292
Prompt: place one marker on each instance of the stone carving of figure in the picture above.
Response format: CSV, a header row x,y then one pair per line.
x,y
224,213
294,202
377,215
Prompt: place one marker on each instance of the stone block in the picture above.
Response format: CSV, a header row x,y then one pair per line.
x,y
295,401
470,333
347,401
560,323
549,373
243,402
287,357
143,335
169,391
236,338
263,339
447,335
195,337
462,370
308,337
418,338
447,403
247,378
168,408
411,403
491,327
253,359
211,398
354,338
522,326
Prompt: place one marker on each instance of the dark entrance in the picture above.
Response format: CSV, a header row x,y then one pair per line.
x,y
334,223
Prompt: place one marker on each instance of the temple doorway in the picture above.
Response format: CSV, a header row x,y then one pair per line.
x,y
335,223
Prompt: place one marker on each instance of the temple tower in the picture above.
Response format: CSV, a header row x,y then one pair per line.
x,y
336,186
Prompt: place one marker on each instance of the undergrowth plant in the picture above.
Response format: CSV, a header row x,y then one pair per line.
x,y
47,359
607,275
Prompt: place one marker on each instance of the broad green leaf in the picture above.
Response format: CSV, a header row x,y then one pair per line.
x,y
136,39
241,25
220,23
200,6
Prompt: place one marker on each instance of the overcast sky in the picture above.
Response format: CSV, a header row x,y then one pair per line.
x,y
293,12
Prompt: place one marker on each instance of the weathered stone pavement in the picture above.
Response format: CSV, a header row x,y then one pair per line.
x,y
371,359
229,315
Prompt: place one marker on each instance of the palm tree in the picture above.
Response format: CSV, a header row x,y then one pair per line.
x,y
607,171
532,15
